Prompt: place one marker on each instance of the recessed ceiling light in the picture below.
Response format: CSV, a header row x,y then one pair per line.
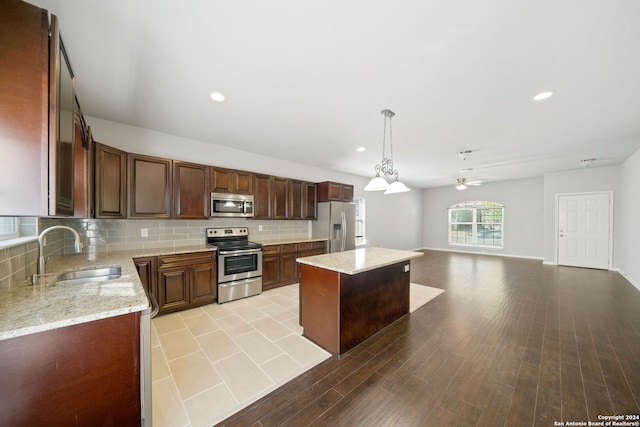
x,y
361,149
217,96
543,95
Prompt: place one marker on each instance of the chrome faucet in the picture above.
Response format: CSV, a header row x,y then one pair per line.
x,y
41,260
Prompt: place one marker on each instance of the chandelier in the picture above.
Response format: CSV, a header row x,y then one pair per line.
x,y
381,183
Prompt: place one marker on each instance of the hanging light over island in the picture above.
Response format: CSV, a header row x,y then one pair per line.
x,y
381,183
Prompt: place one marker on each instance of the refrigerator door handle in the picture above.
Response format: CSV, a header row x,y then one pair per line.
x,y
344,231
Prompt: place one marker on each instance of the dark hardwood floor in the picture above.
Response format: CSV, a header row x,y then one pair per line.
x,y
511,342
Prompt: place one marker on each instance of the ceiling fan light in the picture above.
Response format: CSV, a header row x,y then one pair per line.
x,y
377,183
461,187
543,95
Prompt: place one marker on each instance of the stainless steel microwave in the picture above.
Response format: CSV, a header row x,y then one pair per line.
x,y
231,205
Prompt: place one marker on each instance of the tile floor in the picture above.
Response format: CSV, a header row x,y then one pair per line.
x,y
211,361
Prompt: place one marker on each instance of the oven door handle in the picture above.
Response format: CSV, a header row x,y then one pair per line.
x,y
241,252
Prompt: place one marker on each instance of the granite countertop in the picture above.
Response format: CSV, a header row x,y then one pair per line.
x,y
27,309
288,240
359,260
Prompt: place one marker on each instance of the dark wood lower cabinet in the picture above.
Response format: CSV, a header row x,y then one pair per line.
x,y
147,271
186,281
270,270
173,289
279,266
80,375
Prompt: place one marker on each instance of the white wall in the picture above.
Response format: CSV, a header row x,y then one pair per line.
x,y
628,230
523,214
583,180
392,221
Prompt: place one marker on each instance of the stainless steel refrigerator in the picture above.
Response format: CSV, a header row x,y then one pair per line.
x,y
337,223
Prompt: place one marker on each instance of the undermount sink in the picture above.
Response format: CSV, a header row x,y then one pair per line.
x,y
91,275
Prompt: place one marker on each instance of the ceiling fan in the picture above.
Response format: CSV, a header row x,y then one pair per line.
x,y
462,183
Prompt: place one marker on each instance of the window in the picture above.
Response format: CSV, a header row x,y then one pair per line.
x,y
477,223
8,227
360,214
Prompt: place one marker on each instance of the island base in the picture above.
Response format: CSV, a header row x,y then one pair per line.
x,y
339,311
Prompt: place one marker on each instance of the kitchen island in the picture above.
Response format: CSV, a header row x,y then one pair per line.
x,y
346,297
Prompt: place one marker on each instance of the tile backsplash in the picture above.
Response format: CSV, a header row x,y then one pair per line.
x,y
108,235
19,262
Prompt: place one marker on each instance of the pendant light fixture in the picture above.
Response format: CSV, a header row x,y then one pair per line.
x,y
381,183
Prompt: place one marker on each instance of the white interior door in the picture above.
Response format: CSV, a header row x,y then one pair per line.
x,y
583,230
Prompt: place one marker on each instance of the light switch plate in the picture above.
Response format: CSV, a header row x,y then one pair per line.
x,y
144,232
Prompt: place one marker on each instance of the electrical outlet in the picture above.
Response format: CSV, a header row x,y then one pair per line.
x,y
144,232
260,228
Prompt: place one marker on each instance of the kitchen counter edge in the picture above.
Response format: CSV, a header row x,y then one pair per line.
x,y
359,260
27,309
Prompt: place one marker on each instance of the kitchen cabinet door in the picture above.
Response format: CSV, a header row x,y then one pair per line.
x,y
173,289
149,181
86,374
231,181
280,198
296,200
147,271
347,193
270,266
110,182
24,109
270,271
288,268
309,203
83,196
262,185
191,196
62,109
243,182
328,191
203,288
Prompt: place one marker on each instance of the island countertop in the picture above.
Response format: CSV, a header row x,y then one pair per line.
x,y
27,309
359,260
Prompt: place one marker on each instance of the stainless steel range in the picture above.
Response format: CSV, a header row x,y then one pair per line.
x,y
239,263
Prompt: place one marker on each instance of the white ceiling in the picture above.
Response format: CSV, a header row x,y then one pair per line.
x,y
306,80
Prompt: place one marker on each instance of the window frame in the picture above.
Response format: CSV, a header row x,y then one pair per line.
x,y
15,233
360,211
474,207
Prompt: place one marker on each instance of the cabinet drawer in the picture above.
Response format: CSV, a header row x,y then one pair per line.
x,y
270,249
320,245
288,248
305,246
168,261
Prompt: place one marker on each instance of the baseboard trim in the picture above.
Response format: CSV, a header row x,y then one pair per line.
x,y
629,279
484,253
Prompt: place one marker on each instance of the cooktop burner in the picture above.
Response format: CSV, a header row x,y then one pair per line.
x,y
235,246
231,239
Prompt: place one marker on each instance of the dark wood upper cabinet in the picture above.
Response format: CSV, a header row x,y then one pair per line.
x,y
83,194
296,203
347,193
309,202
62,104
110,182
328,191
149,181
231,181
262,190
25,114
280,198
190,191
